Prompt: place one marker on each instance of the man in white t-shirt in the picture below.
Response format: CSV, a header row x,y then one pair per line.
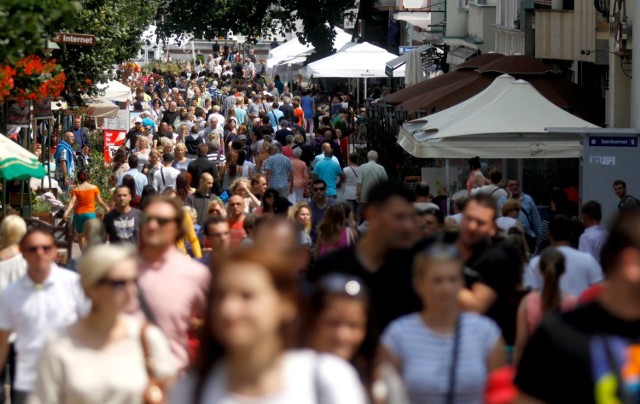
x,y
45,299
595,235
581,269
166,176
494,190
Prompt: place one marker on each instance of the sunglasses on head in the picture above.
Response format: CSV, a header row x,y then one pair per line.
x,y
162,221
342,284
117,284
34,248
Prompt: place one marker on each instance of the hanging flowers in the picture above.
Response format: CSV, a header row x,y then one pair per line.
x,y
36,78
6,81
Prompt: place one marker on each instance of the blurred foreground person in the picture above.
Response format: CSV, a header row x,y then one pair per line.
x,y
589,355
101,358
247,335
46,298
172,286
338,320
443,353
12,267
382,256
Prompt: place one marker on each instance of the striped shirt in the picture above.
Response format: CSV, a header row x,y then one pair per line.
x,y
426,357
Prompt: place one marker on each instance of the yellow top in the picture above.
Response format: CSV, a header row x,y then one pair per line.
x,y
190,235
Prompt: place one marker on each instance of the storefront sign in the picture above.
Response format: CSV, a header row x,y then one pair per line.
x,y
113,139
613,141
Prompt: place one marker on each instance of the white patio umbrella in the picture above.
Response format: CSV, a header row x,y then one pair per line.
x,y
17,163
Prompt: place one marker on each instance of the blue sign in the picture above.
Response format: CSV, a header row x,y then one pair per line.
x,y
404,49
613,141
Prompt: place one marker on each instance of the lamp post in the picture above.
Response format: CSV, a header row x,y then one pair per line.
x,y
421,113
401,115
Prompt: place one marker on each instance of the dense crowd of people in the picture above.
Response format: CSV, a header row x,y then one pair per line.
x,y
247,254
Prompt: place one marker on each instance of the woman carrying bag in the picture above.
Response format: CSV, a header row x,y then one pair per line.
x,y
443,354
108,356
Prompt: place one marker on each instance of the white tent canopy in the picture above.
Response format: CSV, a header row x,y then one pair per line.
x,y
294,49
115,91
509,119
100,107
362,60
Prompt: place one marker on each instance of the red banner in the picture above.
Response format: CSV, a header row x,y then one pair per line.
x,y
113,139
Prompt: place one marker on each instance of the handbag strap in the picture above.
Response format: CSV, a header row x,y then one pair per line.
x,y
144,306
454,361
162,175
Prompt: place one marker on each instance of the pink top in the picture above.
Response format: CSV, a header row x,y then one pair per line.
x,y
346,239
175,289
534,308
300,174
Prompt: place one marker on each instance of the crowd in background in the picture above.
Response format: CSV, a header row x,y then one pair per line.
x,y
248,254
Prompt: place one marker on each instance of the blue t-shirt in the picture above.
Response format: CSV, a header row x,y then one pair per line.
x,y
307,106
328,171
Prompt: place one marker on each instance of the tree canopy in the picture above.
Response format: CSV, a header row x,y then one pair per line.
x,y
117,26
26,25
210,19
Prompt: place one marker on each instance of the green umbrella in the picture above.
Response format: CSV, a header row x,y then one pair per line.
x,y
17,163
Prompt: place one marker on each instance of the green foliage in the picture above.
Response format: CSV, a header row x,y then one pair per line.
x,y
26,25
210,19
117,25
99,175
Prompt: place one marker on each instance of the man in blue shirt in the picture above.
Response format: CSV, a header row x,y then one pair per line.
x,y
279,172
328,171
80,133
140,179
529,216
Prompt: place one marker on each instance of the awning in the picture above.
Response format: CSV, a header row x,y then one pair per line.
x,y
421,19
459,55
16,162
393,64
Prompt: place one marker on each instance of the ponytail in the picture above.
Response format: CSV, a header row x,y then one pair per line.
x,y
552,266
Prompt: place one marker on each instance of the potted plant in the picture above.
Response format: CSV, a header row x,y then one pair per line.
x,y
41,209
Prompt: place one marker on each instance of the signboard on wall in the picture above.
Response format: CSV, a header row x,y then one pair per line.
x,y
121,122
113,139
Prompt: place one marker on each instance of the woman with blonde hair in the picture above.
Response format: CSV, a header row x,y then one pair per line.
x,y
142,150
333,232
216,208
12,264
188,228
241,186
300,213
443,353
180,160
107,356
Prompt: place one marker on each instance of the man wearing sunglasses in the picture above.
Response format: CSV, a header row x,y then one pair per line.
x,y
46,298
172,286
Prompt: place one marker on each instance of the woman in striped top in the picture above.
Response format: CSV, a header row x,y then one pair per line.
x,y
443,354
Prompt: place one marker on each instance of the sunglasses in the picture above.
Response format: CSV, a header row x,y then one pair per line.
x,y
117,284
342,284
162,221
319,189
34,248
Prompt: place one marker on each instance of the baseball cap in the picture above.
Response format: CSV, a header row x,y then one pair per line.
x,y
138,120
242,137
